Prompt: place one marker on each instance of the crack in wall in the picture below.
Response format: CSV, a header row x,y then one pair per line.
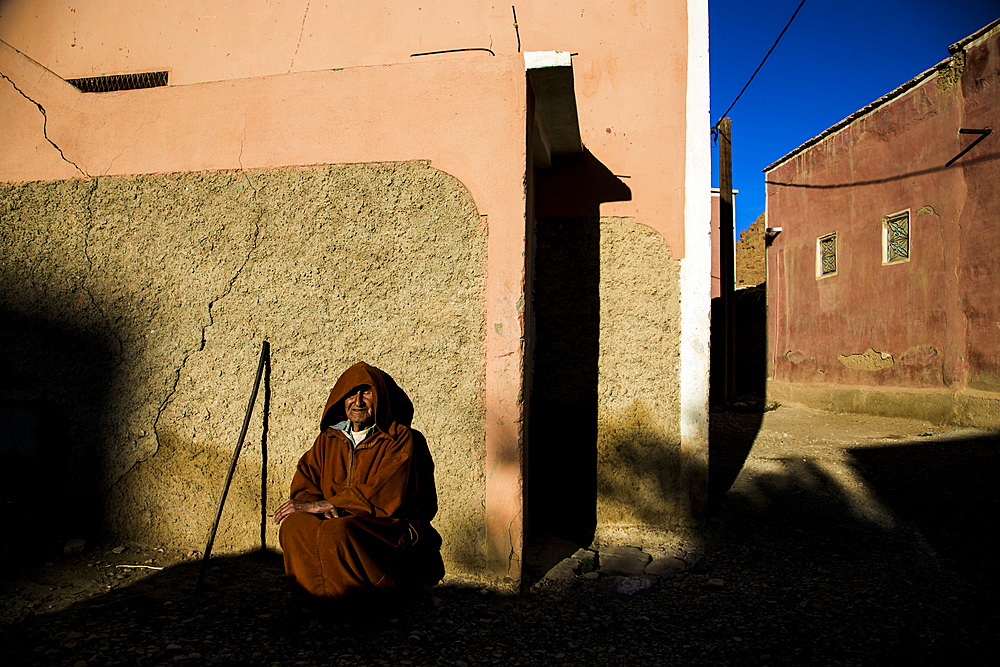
x,y
512,556
301,32
112,163
255,237
239,159
45,124
172,391
90,270
120,356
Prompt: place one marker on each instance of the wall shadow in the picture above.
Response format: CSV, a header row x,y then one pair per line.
x,y
807,577
564,335
989,157
643,483
733,428
932,565
947,489
54,384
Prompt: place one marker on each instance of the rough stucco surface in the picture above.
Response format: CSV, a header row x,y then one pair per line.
x,y
638,438
134,310
869,360
604,421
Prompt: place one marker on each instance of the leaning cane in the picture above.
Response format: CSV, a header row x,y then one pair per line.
x,y
264,350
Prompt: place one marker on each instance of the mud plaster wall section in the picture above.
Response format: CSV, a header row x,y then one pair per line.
x,y
917,337
134,310
638,419
604,440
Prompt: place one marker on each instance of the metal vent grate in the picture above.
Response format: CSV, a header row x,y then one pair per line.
x,y
897,236
828,254
113,82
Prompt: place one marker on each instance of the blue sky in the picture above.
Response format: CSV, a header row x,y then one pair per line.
x,y
837,57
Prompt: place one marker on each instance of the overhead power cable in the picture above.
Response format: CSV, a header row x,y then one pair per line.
x,y
760,65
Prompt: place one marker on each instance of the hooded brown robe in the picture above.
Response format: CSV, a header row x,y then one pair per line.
x,y
373,487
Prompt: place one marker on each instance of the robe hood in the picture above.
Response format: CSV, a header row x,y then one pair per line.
x,y
359,373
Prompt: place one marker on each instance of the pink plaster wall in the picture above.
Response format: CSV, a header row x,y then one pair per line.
x,y
279,83
371,114
630,67
937,314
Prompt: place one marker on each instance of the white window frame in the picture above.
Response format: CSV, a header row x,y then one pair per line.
x,y
885,237
819,255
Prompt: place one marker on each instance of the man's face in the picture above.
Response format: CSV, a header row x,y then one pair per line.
x,y
360,407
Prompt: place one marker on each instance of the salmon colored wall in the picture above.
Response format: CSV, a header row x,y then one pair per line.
x,y
289,120
937,314
634,51
281,83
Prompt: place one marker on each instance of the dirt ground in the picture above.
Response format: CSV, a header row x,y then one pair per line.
x,y
844,540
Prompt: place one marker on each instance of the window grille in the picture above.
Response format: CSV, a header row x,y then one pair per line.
x,y
827,254
896,236
113,82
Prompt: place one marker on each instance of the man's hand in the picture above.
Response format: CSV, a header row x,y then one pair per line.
x,y
312,507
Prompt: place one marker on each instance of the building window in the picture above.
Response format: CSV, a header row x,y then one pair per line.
x,y
896,237
826,255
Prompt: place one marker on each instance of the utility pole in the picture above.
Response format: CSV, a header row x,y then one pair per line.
x,y
727,259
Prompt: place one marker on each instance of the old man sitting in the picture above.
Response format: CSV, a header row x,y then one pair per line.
x,y
354,513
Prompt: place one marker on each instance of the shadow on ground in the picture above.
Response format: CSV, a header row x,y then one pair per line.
x,y
731,434
733,426
795,571
947,490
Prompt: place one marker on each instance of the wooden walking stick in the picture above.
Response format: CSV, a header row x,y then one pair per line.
x,y
264,352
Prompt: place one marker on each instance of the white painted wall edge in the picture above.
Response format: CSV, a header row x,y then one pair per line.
x,y
696,267
539,59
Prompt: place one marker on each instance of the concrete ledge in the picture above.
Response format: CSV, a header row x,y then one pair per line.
x,y
557,124
962,407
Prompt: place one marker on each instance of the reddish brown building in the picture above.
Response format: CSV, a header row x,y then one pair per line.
x,y
882,285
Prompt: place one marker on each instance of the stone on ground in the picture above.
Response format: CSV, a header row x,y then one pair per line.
x,y
665,567
626,586
74,547
624,561
562,571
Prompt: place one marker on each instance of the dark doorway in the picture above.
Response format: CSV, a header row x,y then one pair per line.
x,y
564,335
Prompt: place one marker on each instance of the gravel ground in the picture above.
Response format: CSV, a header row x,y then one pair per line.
x,y
845,540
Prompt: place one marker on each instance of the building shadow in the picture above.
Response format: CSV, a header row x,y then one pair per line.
x,y
947,490
54,384
564,336
730,438
843,569
802,575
